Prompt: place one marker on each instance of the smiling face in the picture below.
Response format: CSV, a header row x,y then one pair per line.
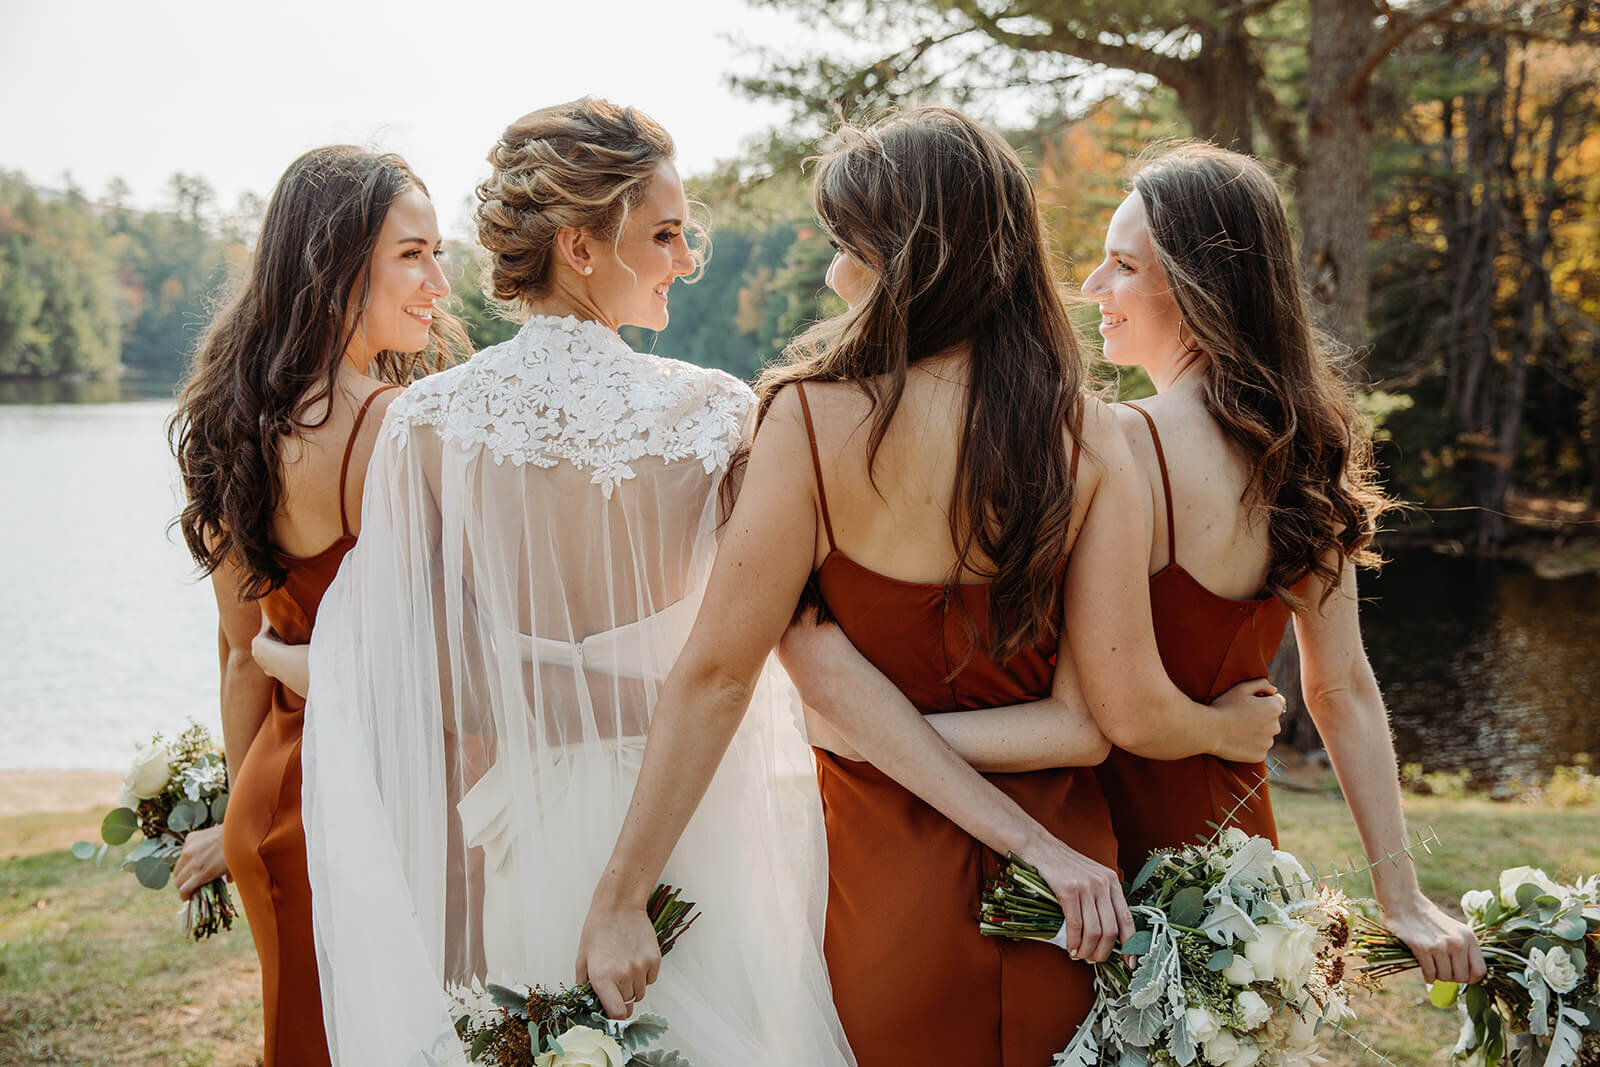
x,y
1139,316
631,276
404,279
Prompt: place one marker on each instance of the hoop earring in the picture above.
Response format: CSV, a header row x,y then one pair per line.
x,y
1192,349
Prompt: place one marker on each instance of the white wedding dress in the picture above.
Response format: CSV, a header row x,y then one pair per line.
x,y
537,528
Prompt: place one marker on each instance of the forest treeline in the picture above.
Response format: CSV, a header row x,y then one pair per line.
x,y
1441,157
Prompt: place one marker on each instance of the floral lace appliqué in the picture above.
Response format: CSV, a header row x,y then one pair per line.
x,y
566,390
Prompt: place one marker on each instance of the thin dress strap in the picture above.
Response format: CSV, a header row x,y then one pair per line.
x,y
349,446
816,463
1166,483
1077,440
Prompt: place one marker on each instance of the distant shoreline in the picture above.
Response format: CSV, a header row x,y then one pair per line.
x,y
51,792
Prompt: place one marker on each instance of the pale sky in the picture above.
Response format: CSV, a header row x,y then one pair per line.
x,y
234,91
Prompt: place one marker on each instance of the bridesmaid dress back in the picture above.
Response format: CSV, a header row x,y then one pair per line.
x,y
263,838
1208,644
913,979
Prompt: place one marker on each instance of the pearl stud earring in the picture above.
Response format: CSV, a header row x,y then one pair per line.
x,y
588,270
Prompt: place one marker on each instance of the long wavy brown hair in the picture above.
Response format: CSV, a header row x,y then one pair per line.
x,y
1282,391
943,213
271,355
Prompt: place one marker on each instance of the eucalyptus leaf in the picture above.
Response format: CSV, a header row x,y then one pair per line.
x,y
84,850
144,848
1188,906
219,807
1570,927
1138,944
1220,960
1149,868
152,872
1527,893
118,826
181,820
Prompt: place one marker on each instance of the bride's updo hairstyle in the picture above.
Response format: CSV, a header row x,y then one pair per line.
x,y
1279,390
942,213
269,360
584,164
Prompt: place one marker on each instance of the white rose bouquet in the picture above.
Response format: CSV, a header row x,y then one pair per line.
x,y
520,1027
1238,958
170,790
1540,1003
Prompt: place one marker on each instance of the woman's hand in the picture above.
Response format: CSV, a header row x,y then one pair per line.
x,y
1447,950
1090,895
1254,715
200,862
288,664
618,955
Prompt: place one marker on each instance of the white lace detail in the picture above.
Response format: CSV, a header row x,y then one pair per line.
x,y
564,389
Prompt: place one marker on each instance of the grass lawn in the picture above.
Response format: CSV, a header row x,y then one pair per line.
x,y
93,969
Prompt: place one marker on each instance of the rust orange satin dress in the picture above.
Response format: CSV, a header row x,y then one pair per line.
x,y
914,981
1208,644
262,836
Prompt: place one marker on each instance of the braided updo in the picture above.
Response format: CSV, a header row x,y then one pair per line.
x,y
583,164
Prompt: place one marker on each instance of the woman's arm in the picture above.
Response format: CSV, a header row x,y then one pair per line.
x,y
1112,637
762,564
246,690
289,664
1139,706
844,691
1342,695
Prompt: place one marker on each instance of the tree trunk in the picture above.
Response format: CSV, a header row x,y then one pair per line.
x,y
1216,99
1334,191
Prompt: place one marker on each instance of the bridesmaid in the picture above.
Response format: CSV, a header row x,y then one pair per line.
x,y
1267,499
950,389
273,432
1251,409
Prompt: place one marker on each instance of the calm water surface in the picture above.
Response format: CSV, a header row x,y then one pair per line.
x,y
107,636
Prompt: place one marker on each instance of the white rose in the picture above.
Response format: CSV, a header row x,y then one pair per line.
x,y
1294,958
1514,877
1476,901
126,799
1555,967
1203,1026
1302,1029
148,776
1221,1049
1263,951
1241,971
1252,1010
583,1046
1247,1054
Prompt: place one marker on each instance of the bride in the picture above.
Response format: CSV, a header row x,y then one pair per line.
x,y
537,530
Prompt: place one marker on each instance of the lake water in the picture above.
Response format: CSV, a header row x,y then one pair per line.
x,y
107,636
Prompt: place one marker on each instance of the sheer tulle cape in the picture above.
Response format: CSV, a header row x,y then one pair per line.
x,y
537,528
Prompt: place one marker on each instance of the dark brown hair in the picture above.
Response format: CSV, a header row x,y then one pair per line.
x,y
583,164
1281,391
272,354
943,213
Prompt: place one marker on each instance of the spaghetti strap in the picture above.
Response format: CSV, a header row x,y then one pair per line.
x,y
1077,441
1166,483
349,446
816,464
